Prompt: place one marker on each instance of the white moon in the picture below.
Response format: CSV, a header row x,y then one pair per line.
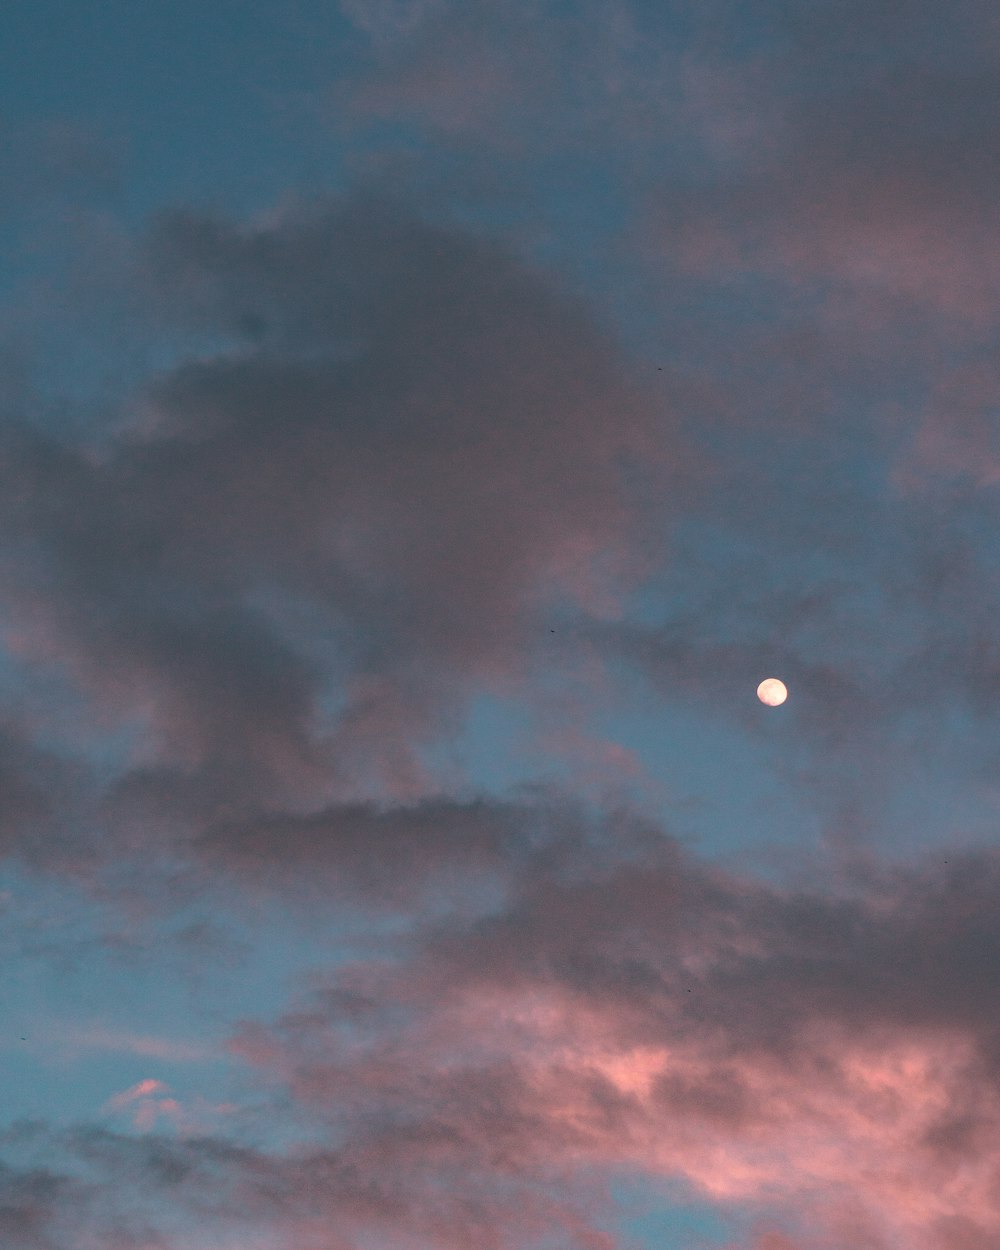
x,y
772,692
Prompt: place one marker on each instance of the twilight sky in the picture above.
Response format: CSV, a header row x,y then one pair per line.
x,y
422,425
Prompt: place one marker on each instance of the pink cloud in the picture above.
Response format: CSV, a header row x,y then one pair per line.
x,y
142,1089
776,1052
151,1105
822,1060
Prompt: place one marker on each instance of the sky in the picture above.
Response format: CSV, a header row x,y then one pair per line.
x,y
423,424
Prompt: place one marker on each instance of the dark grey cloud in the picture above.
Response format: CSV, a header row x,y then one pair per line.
x,y
302,552
334,1197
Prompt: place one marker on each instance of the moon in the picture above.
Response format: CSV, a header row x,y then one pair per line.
x,y
772,691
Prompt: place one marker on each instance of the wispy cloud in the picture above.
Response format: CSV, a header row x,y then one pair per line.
x,y
100,1037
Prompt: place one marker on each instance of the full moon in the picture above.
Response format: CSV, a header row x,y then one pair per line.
x,y
772,692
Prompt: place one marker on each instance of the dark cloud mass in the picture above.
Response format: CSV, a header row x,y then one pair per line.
x,y
301,554
394,853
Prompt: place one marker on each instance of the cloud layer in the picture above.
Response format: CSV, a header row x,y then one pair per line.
x,y
379,638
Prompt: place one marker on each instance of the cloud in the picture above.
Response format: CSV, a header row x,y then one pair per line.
x,y
957,436
801,1052
150,1104
325,1198
254,603
31,1202
42,788
869,172
140,1090
99,1037
430,848
290,570
520,79
825,1058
